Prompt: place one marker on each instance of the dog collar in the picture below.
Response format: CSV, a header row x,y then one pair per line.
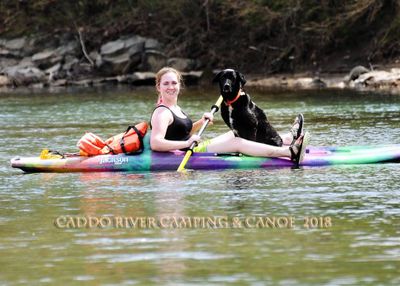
x,y
229,102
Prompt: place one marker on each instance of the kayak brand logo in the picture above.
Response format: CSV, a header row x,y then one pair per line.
x,y
116,160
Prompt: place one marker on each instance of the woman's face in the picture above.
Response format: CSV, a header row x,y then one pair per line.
x,y
169,86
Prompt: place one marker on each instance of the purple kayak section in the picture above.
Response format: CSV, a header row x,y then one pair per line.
x,y
163,161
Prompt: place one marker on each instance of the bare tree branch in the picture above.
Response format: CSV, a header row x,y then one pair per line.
x,y
84,47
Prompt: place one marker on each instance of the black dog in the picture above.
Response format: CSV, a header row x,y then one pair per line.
x,y
242,115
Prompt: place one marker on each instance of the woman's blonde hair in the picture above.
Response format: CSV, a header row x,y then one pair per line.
x,y
162,72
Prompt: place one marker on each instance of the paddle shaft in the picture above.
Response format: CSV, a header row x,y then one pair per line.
x,y
189,152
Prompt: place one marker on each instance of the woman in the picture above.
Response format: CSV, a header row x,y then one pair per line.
x,y
172,129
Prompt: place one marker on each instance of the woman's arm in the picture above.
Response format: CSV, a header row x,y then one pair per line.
x,y
160,121
197,125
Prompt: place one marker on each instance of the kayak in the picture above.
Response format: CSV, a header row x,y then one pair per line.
x,y
164,161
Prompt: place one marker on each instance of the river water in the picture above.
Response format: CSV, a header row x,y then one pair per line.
x,y
335,225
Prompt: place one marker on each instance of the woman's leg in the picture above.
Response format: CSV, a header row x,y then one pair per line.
x,y
229,143
287,138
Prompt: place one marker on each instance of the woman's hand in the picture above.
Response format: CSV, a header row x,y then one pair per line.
x,y
193,138
208,115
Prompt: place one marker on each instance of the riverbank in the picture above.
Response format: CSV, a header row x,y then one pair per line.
x,y
48,61
125,42
63,60
387,80
359,78
56,62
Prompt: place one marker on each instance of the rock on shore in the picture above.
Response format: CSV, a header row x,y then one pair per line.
x,y
58,61
378,80
359,78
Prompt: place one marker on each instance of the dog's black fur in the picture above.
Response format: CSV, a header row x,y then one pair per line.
x,y
243,116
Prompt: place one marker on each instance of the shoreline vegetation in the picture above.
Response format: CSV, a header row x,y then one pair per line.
x,y
276,44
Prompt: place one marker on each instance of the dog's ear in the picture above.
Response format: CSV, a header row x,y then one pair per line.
x,y
217,77
240,76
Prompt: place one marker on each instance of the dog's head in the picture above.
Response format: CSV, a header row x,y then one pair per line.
x,y
230,82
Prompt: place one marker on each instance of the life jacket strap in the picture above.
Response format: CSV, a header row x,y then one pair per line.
x,y
140,136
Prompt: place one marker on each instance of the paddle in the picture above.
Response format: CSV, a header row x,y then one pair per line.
x,y
189,152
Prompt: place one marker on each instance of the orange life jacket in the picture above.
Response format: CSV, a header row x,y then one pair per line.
x,y
90,144
128,142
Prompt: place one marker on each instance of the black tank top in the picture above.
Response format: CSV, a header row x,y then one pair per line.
x,y
179,129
